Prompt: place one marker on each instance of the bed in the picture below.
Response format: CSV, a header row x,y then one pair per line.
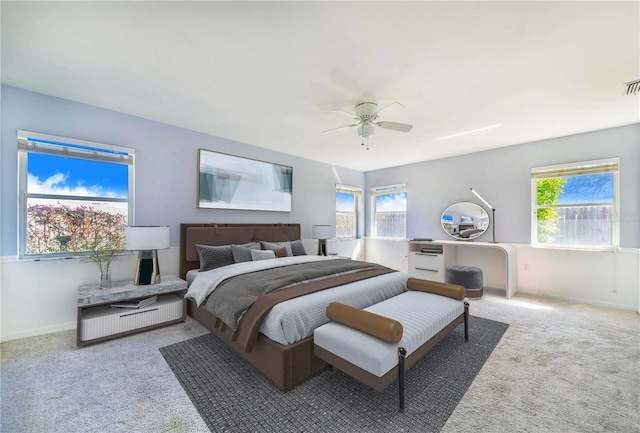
x,y
275,334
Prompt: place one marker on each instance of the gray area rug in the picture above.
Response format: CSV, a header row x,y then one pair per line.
x,y
231,395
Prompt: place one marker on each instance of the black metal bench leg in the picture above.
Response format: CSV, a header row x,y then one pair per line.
x,y
466,321
402,353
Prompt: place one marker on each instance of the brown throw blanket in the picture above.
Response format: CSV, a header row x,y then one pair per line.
x,y
233,298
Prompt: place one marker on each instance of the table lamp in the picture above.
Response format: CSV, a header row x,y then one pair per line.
x,y
147,240
322,233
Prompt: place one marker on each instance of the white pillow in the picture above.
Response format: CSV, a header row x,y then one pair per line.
x,y
262,255
277,246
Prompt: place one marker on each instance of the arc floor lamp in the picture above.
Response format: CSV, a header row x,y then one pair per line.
x,y
493,215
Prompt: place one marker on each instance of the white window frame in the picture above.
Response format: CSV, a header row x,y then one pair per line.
x,y
357,193
35,142
605,165
384,190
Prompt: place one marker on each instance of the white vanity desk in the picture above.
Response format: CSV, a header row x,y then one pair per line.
x,y
429,260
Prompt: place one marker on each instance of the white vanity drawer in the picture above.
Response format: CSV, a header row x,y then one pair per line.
x,y
428,266
429,261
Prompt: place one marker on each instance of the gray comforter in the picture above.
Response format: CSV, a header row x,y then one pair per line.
x,y
236,294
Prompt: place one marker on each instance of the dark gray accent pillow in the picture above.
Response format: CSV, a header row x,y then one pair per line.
x,y
282,252
297,248
276,246
212,257
242,253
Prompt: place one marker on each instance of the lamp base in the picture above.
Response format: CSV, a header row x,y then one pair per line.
x,y
147,268
322,247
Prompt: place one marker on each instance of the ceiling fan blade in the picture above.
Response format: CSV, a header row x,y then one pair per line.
x,y
402,127
387,106
340,127
345,112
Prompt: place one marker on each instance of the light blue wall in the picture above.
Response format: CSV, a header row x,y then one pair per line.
x,y
503,178
166,166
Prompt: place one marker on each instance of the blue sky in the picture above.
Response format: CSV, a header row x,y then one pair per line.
x,y
345,202
395,202
384,203
79,177
591,188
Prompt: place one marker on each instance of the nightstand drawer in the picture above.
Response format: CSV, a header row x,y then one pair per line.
x,y
103,321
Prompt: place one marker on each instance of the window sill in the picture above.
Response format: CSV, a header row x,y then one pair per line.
x,y
50,258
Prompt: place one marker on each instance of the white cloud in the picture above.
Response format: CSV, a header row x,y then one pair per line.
x,y
57,184
392,203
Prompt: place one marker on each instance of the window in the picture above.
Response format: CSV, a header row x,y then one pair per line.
x,y
575,205
347,205
74,195
389,205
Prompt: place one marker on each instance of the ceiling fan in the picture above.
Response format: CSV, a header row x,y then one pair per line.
x,y
367,114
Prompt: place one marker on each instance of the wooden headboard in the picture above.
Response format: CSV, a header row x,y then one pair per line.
x,y
227,234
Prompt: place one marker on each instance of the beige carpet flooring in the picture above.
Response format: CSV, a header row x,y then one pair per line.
x,y
560,367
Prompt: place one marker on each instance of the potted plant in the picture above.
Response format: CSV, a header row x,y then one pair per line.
x,y
104,249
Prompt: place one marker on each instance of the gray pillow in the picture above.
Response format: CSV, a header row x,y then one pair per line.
x,y
262,255
251,245
297,248
276,246
242,253
212,257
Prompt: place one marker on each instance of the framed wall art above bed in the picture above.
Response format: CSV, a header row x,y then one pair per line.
x,y
231,182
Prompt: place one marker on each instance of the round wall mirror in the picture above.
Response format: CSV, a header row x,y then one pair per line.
x,y
465,220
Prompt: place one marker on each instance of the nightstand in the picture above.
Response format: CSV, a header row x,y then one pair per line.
x,y
98,321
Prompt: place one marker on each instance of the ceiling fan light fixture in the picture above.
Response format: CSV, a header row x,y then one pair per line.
x,y
365,131
368,115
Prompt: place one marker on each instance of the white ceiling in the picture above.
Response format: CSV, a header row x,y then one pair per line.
x,y
269,73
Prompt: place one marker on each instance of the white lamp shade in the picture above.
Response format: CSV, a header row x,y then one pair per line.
x,y
322,232
147,238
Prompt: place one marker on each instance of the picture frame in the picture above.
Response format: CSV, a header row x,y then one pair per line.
x,y
233,182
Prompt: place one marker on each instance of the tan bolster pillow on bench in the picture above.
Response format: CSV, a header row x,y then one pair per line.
x,y
443,289
375,325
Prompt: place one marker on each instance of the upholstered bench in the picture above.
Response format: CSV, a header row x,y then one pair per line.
x,y
376,345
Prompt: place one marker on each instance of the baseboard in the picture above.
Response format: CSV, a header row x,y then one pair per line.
x,y
578,300
38,331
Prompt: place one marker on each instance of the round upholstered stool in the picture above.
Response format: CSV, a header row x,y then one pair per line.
x,y
468,277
